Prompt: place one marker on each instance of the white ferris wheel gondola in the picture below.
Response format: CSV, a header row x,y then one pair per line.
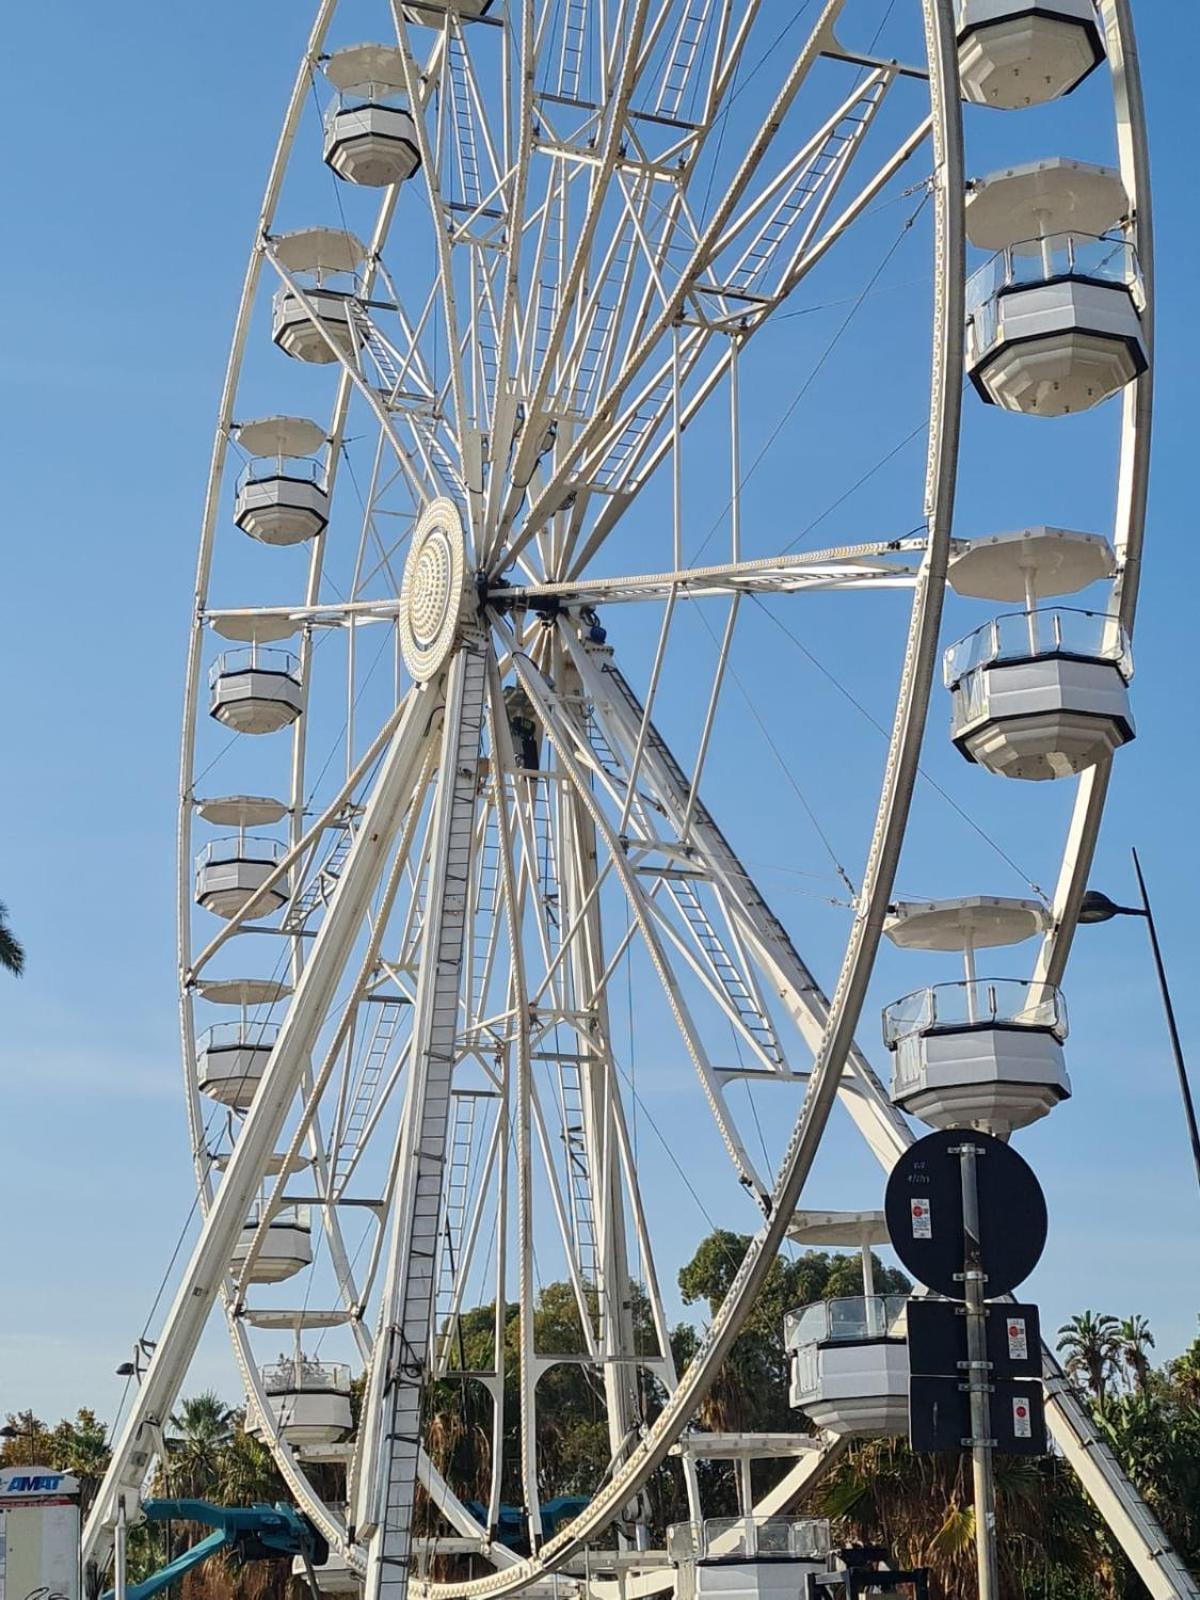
x,y
486,822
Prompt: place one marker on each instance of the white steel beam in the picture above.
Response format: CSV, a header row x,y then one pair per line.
x,y
392,1406
205,1274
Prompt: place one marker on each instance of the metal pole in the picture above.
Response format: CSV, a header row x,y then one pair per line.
x,y
978,1370
1185,1088
119,1547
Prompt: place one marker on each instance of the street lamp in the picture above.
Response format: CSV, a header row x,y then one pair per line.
x,y
1097,907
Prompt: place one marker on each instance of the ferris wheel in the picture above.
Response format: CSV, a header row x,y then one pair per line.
x,y
510,266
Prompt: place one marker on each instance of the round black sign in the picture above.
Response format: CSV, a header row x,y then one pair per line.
x,y
925,1216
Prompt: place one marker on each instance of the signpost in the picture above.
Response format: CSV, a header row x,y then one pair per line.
x,y
967,1217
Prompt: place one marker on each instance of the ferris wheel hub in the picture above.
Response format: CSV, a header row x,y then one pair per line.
x,y
434,594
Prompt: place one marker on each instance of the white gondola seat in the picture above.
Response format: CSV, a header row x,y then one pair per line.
x,y
849,1364
286,1246
229,871
231,1058
370,136
1053,318
748,1557
1041,694
1053,337
255,690
986,1053
310,1400
325,265
371,143
285,506
1016,53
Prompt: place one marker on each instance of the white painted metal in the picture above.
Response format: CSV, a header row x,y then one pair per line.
x,y
255,690
558,225
1042,199
1017,53
1056,348
391,1441
849,1364
1030,563
284,1249
982,1054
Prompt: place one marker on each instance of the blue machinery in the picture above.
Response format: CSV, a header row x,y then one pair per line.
x,y
254,1533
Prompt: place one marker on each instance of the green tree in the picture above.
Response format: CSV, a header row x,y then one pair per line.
x,y
1134,1341
12,952
204,1427
80,1447
920,1508
1091,1346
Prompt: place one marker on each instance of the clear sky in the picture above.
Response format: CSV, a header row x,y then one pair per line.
x,y
138,142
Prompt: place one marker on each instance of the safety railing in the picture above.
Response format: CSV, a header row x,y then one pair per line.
x,y
848,1320
1104,258
240,847
983,1003
749,1538
1028,635
300,1375
238,1036
303,469
253,658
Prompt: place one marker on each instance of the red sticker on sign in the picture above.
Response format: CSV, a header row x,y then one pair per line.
x,y
1022,1421
1018,1339
922,1222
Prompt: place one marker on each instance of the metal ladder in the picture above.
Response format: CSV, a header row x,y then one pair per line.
x,y
547,861
570,59
463,119
682,58
813,181
454,1211
579,1180
321,885
380,351
725,970
486,902
350,1139
392,1414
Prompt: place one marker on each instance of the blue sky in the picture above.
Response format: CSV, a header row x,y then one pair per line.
x,y
135,200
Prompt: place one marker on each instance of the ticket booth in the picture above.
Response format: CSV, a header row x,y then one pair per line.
x,y
39,1533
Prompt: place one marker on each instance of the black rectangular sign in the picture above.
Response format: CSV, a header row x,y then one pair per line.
x,y
939,1415
937,1339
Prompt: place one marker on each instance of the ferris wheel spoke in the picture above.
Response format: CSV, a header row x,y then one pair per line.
x,y
546,705
778,220
392,1407
264,1121
759,931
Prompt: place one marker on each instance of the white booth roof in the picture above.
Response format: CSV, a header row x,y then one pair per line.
x,y
979,920
1043,198
320,250
358,64
241,810
1059,560
280,436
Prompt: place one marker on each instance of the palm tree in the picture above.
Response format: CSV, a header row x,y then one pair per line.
x,y
204,1426
1092,1347
1135,1339
12,952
